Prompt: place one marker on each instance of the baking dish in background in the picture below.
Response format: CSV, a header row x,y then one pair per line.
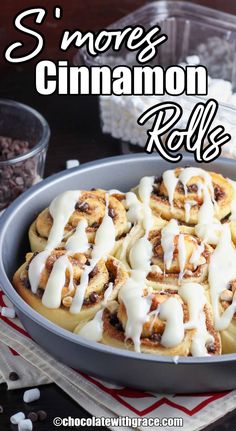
x,y
192,30
148,372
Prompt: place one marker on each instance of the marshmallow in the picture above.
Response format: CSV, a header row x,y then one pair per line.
x,y
25,425
31,395
72,163
8,312
16,418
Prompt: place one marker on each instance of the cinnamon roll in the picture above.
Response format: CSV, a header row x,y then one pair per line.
x,y
222,282
182,192
176,256
174,325
50,283
68,209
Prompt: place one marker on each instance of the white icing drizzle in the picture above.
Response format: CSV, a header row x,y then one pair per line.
x,y
222,270
170,182
168,234
172,312
196,257
233,203
140,254
134,207
61,208
136,304
108,293
176,359
93,330
52,294
187,206
78,242
187,173
36,267
132,292
181,255
193,294
201,338
154,314
208,228
145,190
103,245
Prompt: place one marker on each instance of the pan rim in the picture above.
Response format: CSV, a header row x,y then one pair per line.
x,y
30,313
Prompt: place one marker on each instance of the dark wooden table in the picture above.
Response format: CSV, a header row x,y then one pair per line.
x,y
76,133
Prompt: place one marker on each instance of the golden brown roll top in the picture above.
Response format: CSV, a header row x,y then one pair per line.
x,y
172,326
60,279
186,259
89,206
175,256
180,193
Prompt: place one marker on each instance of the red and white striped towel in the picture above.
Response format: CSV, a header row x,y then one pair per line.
x,y
19,353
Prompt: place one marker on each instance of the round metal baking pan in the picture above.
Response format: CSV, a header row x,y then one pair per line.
x,y
148,372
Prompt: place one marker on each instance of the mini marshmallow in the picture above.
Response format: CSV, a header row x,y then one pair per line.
x,y
31,395
8,312
72,163
25,425
16,418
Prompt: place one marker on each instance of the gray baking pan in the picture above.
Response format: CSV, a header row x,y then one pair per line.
x,y
148,372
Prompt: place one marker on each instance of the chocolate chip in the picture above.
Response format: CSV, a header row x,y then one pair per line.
x,y
114,320
218,192
193,188
158,180
93,272
42,415
26,283
95,225
119,327
156,337
82,206
93,297
211,347
15,178
1,409
40,292
33,416
111,212
13,376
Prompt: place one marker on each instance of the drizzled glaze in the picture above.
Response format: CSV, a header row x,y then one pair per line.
x,y
93,330
181,255
103,245
78,242
193,294
208,227
170,182
233,203
172,312
52,294
168,235
137,304
222,270
144,191
61,208
196,257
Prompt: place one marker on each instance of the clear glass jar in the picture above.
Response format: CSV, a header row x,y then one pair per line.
x,y
21,124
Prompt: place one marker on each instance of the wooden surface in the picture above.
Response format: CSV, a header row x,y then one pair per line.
x,y
76,133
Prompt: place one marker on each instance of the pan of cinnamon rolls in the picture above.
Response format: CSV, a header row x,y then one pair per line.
x,y
143,269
